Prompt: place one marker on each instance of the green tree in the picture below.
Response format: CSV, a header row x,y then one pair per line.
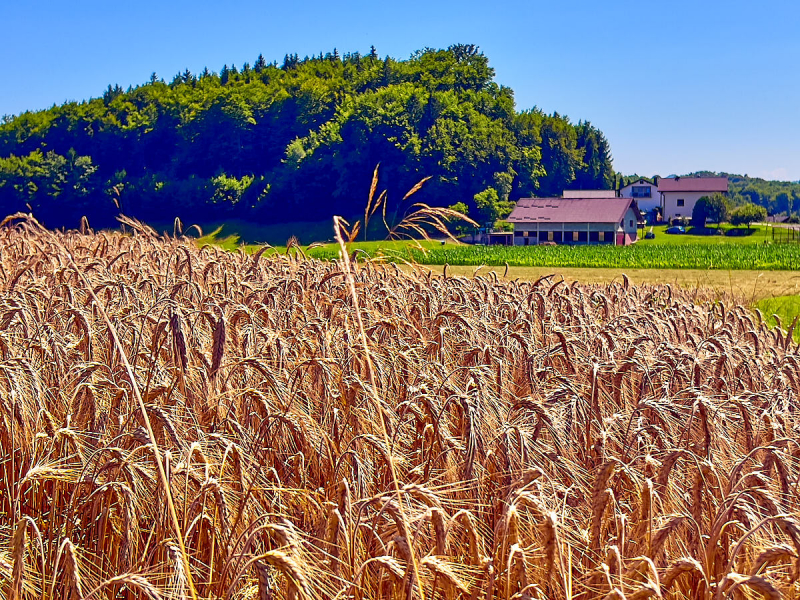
x,y
490,208
460,207
748,214
560,155
713,208
596,171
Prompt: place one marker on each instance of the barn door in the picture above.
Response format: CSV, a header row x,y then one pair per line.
x,y
620,239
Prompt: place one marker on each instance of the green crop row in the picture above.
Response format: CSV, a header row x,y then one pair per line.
x,y
768,257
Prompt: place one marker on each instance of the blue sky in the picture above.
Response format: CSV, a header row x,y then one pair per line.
x,y
675,86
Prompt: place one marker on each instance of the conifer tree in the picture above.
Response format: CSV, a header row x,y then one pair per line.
x,y
387,72
260,65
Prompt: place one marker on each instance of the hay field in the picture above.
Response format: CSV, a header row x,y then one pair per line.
x,y
191,423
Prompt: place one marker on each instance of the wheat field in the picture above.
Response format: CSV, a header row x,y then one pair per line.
x,y
183,422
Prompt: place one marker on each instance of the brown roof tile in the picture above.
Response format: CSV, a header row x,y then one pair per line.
x,y
693,184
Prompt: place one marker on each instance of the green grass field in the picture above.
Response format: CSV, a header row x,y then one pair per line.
x,y
786,308
728,235
230,233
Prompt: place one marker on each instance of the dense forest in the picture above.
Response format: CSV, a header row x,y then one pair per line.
x,y
296,142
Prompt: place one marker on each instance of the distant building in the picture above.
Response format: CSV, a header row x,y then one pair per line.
x,y
645,193
589,194
605,220
680,194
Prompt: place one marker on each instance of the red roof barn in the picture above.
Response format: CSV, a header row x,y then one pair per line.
x,y
575,221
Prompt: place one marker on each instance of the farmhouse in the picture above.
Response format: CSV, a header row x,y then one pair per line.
x,y
607,220
680,194
645,192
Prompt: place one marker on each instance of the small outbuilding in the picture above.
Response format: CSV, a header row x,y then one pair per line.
x,y
575,221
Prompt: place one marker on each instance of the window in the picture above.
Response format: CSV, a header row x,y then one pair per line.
x,y
677,214
601,236
549,236
575,236
519,233
681,202
641,191
630,223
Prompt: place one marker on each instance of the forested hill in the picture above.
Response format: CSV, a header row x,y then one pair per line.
x,y
294,142
776,196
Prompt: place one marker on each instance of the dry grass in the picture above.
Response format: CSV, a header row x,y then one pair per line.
x,y
338,430
745,287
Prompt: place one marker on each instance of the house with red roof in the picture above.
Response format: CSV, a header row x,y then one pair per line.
x,y
680,194
605,220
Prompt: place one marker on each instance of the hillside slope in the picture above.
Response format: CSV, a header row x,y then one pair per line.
x,y
271,143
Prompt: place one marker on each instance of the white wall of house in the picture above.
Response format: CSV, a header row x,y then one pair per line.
x,y
680,204
630,222
646,204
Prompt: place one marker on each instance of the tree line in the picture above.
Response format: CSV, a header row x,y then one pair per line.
x,y
296,141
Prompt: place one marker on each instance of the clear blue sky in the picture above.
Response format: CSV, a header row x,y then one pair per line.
x,y
676,86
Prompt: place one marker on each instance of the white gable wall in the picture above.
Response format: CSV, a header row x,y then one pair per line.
x,y
671,199
645,204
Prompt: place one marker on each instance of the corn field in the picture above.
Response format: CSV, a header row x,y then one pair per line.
x,y
763,257
191,423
